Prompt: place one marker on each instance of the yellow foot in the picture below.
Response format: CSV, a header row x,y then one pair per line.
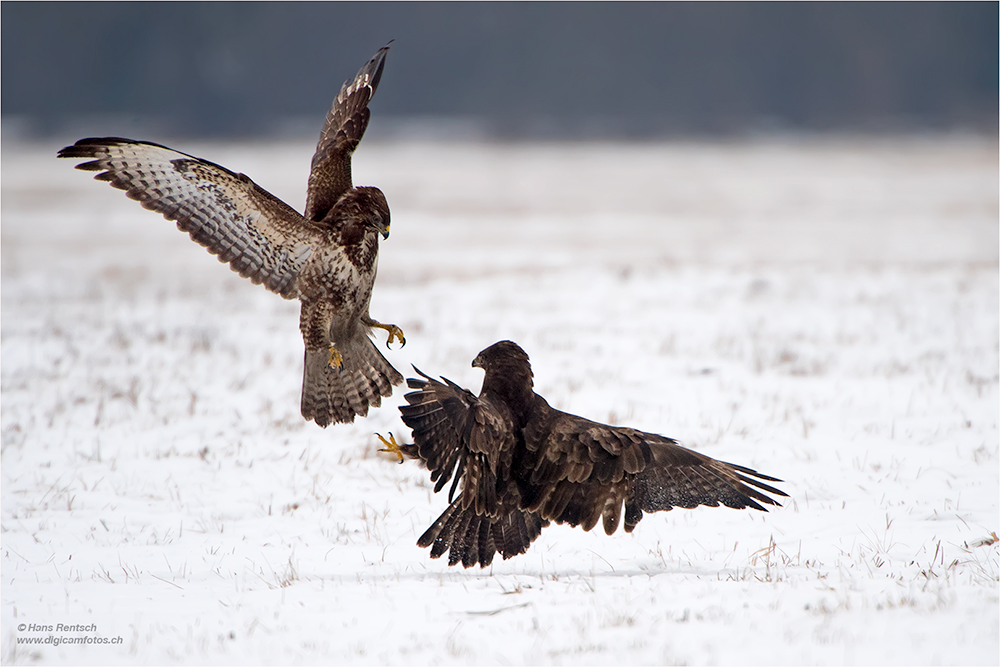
x,y
336,361
394,333
391,446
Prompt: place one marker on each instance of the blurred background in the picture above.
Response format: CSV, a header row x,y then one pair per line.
x,y
509,70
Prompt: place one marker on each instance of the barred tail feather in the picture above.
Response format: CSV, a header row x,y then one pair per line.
x,y
473,539
337,395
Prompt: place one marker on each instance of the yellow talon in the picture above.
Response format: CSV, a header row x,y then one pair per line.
x,y
336,361
394,333
391,446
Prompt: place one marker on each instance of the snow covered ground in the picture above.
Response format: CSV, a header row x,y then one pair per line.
x,y
823,310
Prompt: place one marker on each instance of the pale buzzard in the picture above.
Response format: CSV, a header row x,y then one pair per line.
x,y
522,464
326,258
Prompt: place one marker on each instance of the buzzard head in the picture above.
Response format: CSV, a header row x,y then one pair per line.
x,y
500,355
508,374
358,212
375,209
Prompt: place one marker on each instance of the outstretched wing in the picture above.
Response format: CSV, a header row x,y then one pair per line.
x,y
578,471
260,236
458,434
345,124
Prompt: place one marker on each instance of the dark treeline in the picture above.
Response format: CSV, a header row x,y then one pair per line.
x,y
508,69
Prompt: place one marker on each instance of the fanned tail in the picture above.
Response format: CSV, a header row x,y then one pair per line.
x,y
336,395
474,538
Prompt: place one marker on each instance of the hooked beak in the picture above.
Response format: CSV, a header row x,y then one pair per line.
x,y
478,362
385,233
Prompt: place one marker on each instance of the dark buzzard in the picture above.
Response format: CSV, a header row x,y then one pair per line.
x,y
326,258
521,464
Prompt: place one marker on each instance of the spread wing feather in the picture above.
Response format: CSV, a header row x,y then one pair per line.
x,y
257,234
580,471
458,434
438,414
346,122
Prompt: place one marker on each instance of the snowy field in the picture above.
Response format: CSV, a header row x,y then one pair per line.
x,y
822,310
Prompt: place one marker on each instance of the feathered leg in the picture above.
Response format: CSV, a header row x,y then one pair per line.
x,y
336,393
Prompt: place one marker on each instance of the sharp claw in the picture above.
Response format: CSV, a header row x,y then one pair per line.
x,y
391,446
394,334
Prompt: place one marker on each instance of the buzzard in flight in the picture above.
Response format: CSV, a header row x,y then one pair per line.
x,y
522,464
326,258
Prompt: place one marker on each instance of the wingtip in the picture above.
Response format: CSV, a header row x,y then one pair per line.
x,y
421,373
84,147
379,58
